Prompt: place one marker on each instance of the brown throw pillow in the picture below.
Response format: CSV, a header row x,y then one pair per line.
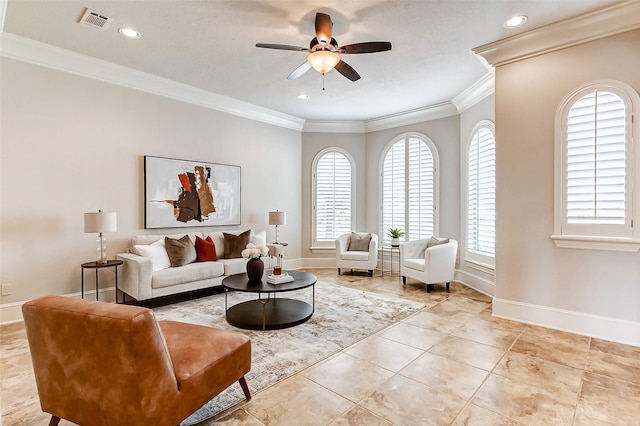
x,y
181,252
234,244
359,242
206,250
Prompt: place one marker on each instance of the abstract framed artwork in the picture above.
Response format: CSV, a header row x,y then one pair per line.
x,y
183,193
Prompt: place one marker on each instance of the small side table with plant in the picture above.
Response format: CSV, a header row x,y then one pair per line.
x,y
395,234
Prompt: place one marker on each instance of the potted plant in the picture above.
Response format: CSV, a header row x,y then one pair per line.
x,y
395,234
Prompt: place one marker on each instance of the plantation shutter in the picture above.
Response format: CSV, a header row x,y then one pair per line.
x,y
333,196
408,202
596,184
481,201
420,191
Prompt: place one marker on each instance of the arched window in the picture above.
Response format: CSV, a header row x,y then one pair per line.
x,y
409,176
481,193
333,196
595,167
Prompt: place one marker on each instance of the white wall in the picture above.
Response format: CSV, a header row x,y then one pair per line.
x,y
71,144
535,280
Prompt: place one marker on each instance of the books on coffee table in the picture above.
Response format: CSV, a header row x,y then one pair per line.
x,y
279,279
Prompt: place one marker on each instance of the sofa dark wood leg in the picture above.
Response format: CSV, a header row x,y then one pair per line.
x,y
245,388
370,272
404,280
339,271
54,421
352,272
448,287
428,288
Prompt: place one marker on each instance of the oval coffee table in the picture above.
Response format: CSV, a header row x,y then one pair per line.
x,y
269,312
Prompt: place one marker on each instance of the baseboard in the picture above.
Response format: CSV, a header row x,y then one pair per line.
x,y
477,283
12,312
606,328
318,262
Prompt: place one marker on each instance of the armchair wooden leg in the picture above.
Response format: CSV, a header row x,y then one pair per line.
x,y
54,421
351,271
245,388
370,272
429,288
448,286
404,280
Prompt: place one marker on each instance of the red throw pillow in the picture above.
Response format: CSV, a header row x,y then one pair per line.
x,y
206,250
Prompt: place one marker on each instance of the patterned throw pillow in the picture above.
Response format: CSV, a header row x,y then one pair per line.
x,y
359,242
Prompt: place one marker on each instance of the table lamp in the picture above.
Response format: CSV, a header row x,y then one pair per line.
x,y
100,223
277,218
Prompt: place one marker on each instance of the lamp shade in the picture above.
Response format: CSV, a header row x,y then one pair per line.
x,y
100,222
277,218
323,61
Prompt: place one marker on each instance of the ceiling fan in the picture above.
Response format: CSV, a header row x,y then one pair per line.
x,y
324,53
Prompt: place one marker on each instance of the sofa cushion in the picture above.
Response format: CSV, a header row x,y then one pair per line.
x,y
355,255
359,242
417,264
181,252
234,266
185,274
234,244
156,252
206,250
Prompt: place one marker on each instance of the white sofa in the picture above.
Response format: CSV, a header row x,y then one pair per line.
x,y
430,261
143,278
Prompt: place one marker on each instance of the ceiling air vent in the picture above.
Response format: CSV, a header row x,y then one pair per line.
x,y
95,20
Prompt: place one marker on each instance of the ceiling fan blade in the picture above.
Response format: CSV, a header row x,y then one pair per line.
x,y
282,47
346,70
366,47
306,66
323,28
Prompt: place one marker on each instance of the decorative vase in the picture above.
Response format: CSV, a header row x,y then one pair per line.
x,y
395,242
255,268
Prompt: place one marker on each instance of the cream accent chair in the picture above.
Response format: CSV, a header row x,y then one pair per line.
x,y
429,260
356,259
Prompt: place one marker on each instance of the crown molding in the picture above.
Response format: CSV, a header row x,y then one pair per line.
x,y
26,50
318,126
419,115
476,92
602,23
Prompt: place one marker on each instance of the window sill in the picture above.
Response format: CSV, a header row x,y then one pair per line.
x,y
596,243
480,266
322,249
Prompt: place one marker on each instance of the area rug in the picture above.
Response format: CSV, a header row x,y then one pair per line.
x,y
342,317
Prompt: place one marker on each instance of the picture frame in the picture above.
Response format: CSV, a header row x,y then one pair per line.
x,y
185,193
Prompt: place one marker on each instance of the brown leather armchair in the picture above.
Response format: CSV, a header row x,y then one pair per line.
x,y
99,363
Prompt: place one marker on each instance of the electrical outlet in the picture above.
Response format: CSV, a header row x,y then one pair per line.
x,y
6,289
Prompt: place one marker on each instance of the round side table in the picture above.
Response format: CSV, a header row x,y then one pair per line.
x,y
97,266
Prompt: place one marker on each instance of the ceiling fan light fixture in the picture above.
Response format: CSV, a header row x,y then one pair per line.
x,y
323,61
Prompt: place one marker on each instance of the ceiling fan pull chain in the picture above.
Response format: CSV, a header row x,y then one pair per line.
x,y
323,82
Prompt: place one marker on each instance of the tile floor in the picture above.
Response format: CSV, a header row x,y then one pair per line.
x,y
450,364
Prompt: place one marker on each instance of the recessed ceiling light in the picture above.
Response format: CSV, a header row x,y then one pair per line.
x,y
129,32
303,96
515,21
